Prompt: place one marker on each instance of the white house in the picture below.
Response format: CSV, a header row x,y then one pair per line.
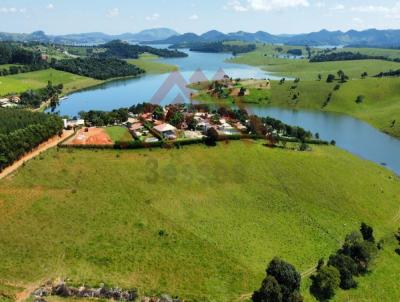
x,y
166,131
73,123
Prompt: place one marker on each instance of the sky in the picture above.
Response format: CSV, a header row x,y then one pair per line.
x,y
120,16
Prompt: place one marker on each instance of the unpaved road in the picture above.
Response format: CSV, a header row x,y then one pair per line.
x,y
52,142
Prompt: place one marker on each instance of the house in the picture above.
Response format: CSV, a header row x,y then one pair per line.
x,y
73,123
6,103
166,131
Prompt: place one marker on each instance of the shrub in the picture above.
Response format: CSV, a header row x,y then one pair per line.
x,y
325,283
367,232
360,99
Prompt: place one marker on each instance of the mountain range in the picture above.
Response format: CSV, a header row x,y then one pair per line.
x,y
90,38
367,38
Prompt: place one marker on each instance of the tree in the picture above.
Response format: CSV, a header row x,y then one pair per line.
x,y
397,236
347,269
360,99
282,283
286,275
212,137
325,283
367,232
270,291
330,78
342,76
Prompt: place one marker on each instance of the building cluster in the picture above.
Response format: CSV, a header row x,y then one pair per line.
x,y
181,124
10,102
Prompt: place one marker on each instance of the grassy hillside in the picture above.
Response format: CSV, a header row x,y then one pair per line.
x,y
38,79
266,58
381,105
148,63
197,222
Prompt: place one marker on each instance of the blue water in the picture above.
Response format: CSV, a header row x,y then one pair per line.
x,y
350,134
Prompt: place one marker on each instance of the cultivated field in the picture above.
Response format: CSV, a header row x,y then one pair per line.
x,y
200,222
38,79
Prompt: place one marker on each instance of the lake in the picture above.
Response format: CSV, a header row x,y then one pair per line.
x,y
350,134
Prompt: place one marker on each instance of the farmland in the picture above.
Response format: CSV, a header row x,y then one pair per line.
x,y
38,79
127,226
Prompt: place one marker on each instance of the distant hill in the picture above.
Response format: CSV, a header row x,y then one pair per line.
x,y
367,38
90,38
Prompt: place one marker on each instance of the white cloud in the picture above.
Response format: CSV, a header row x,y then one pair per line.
x,y
12,10
391,12
153,17
320,4
358,20
338,7
265,5
112,13
236,6
194,17
371,9
50,6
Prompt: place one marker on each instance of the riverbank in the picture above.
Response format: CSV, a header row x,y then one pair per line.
x,y
380,105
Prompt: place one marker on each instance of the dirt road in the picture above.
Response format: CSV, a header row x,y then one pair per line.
x,y
35,152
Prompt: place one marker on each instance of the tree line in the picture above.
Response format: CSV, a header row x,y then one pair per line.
x,y
21,131
34,98
348,56
123,50
104,118
353,259
101,69
217,47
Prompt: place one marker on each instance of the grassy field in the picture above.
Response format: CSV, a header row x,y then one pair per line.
x,y
266,58
199,222
381,105
148,63
38,79
119,134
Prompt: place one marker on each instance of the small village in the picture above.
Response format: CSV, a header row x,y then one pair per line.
x,y
177,123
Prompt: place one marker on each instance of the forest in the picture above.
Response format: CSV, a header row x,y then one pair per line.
x,y
122,50
346,56
217,47
101,69
22,130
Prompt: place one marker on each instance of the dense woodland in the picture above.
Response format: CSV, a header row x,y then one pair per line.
x,y
21,131
103,118
34,98
122,50
217,47
390,73
101,69
347,56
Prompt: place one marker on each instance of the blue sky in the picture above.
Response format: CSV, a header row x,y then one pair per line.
x,y
274,16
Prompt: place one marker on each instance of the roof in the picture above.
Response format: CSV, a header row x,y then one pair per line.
x,y
136,126
164,128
